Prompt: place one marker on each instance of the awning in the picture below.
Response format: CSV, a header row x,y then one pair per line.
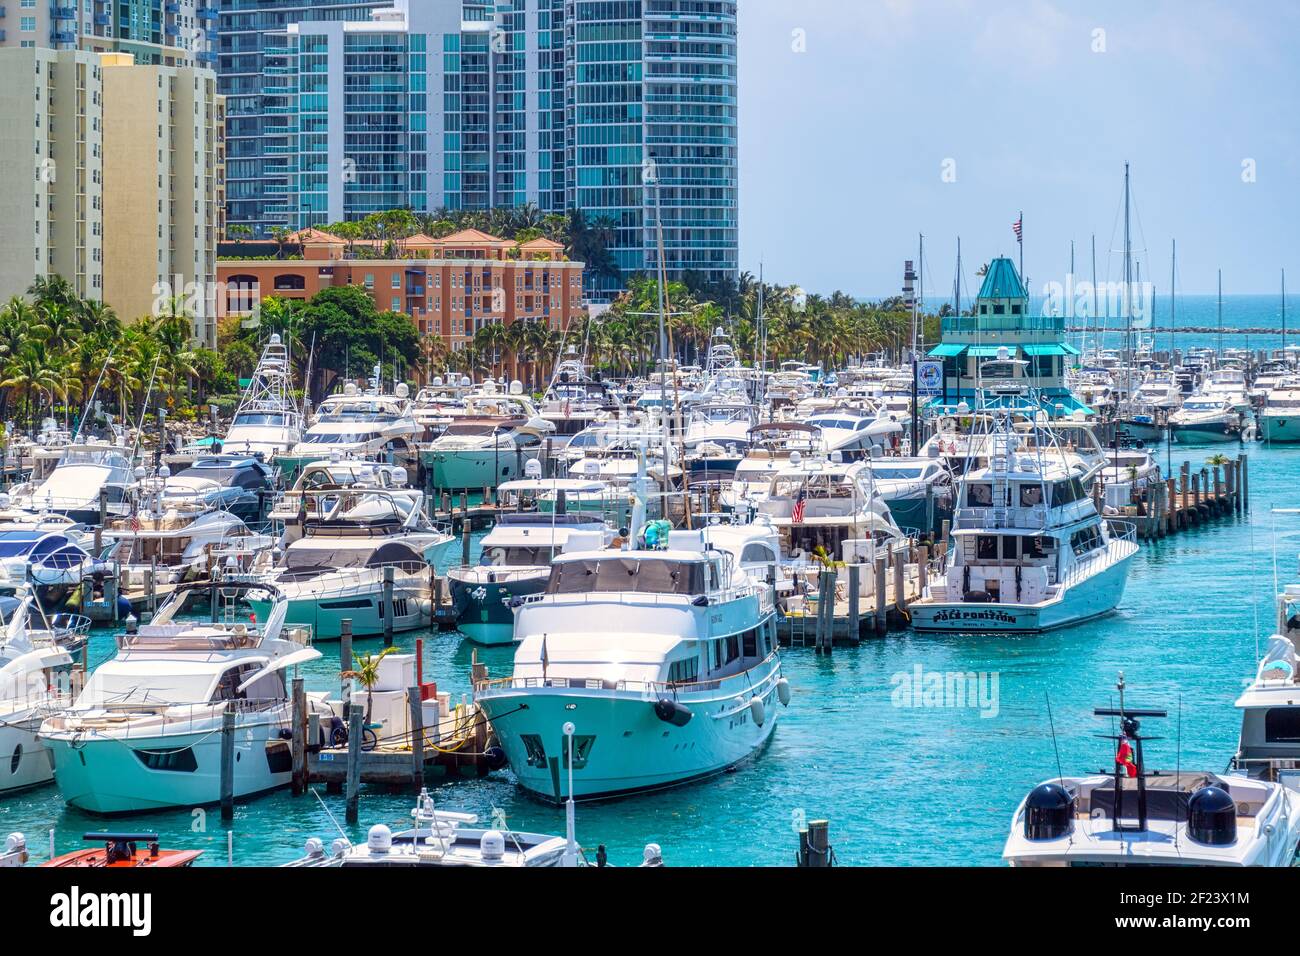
x,y
1070,349
1036,350
947,350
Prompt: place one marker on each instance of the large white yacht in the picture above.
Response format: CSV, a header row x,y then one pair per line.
x,y
338,569
73,487
145,732
268,422
574,400
1141,817
687,685
771,445
1029,551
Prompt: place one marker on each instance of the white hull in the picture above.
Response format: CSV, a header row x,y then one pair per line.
x,y
24,761
1094,596
106,774
633,749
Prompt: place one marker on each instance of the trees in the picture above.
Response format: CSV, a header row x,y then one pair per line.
x,y
351,336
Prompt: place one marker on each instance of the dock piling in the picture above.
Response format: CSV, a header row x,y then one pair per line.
x,y
387,607
417,734
227,764
881,608
345,655
356,716
299,781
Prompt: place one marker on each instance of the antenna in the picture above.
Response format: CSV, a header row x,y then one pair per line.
x,y
1129,730
1060,774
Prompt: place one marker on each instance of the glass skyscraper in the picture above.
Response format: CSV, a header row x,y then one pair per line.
x,y
475,104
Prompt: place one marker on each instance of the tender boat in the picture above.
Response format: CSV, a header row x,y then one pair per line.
x,y
145,732
686,685
123,851
1137,817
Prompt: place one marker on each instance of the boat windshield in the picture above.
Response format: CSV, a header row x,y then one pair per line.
x,y
518,557
259,418
640,575
318,556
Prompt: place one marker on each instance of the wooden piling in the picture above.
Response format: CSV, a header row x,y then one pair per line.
x,y
855,603
388,607
299,780
103,519
227,764
814,844
417,734
900,579
345,655
1172,510
356,725
881,607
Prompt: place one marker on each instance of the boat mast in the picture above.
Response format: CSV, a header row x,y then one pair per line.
x,y
1220,310
1128,293
1173,274
1093,322
956,285
1284,314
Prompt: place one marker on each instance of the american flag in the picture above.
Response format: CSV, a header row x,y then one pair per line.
x,y
797,515
1017,228
135,521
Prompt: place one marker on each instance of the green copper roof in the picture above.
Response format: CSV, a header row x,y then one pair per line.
x,y
1001,281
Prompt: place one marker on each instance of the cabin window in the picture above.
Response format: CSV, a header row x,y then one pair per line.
x,y
749,646
999,309
176,761
1031,496
684,671
979,496
1282,725
1035,547
986,547
733,648
227,687
1015,308
1009,547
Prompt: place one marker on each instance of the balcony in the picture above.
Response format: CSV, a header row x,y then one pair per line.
x,y
63,13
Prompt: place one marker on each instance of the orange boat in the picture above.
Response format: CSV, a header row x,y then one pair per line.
x,y
124,850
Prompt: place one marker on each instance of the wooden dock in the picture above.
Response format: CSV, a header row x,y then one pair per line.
x,y
869,597
1187,500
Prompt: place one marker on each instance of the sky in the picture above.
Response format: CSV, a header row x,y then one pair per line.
x,y
864,123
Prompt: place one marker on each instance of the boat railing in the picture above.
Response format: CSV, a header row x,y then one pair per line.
x,y
992,517
1103,558
145,718
649,689
345,580
761,591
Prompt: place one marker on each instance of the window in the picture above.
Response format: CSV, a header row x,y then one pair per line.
x,y
1282,725
749,644
986,547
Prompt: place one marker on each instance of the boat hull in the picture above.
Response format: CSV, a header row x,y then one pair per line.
x,y
483,609
110,774
325,616
1279,428
632,750
477,469
24,759
1203,433
1092,597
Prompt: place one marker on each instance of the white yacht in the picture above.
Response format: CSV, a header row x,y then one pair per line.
x,y
1128,471
687,685
145,733
73,487
239,484
1160,389
1029,552
338,570
317,489
492,442
1228,384
35,681
268,422
516,563
917,491
1279,419
770,446
852,432
1141,817
359,424
574,400
1206,418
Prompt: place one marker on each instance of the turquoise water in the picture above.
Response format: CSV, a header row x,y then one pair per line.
x,y
899,785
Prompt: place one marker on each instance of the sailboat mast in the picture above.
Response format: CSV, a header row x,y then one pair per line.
x,y
1284,313
1173,275
1220,312
1094,321
956,283
916,296
1128,294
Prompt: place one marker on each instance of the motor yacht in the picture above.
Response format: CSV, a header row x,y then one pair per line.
x,y
1206,418
268,422
87,473
145,732
373,549
1279,418
686,686
358,424
491,442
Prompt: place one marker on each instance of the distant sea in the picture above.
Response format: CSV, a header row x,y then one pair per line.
x,y
1201,311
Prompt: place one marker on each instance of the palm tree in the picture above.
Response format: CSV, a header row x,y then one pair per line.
x,y
366,673
32,371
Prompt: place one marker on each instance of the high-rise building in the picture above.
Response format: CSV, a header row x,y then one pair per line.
x,y
120,196
162,166
51,202
615,108
165,32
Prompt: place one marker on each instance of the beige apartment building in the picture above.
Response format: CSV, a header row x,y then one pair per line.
x,y
163,136
51,152
124,195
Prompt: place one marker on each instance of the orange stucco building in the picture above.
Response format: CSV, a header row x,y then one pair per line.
x,y
450,287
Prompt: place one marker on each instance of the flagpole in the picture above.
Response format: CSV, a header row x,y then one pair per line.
x,y
1020,240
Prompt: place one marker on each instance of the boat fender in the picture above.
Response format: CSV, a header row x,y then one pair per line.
x,y
757,710
783,692
671,712
495,758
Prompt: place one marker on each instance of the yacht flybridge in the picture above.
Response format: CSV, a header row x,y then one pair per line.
x,y
1029,551
268,422
1141,817
145,733
74,487
361,424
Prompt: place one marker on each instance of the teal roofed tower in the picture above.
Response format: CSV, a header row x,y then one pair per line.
x,y
1002,292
